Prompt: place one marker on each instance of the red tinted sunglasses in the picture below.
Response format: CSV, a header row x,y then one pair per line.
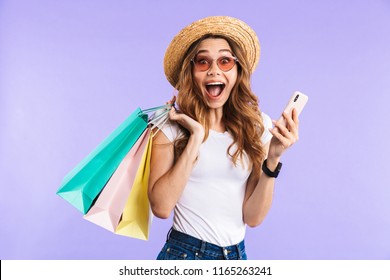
x,y
203,63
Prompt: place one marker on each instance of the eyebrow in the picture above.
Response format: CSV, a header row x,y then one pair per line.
x,y
221,50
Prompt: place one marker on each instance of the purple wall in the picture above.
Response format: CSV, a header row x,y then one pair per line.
x,y
71,71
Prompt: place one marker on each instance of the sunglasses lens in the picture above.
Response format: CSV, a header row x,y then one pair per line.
x,y
202,63
226,63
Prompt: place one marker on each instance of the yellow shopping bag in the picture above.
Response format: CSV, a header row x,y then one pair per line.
x,y
137,215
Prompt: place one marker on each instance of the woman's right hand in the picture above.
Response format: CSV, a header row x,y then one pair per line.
x,y
194,127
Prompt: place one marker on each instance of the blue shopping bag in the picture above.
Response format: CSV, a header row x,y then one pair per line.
x,y
84,183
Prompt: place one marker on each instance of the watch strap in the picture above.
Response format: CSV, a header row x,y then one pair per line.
x,y
268,172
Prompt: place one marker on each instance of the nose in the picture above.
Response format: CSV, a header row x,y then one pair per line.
x,y
214,69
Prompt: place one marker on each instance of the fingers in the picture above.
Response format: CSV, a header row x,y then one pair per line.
x,y
292,123
194,127
295,116
285,137
287,134
284,141
173,115
172,101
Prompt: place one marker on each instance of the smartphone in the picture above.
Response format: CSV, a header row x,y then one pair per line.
x,y
298,101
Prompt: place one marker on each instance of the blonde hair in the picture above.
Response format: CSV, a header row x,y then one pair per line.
x,y
241,113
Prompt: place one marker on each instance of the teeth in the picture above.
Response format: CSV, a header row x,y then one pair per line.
x,y
215,84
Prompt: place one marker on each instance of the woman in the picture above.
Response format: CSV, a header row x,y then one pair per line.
x,y
215,162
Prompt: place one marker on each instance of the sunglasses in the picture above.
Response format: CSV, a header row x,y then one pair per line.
x,y
203,63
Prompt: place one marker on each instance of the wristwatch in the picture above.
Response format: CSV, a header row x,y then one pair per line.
x,y
269,173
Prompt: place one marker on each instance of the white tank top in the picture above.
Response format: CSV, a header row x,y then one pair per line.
x,y
210,207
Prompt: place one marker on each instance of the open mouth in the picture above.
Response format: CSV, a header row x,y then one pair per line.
x,y
215,89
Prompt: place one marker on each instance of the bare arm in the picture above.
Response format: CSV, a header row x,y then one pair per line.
x,y
258,195
258,198
168,178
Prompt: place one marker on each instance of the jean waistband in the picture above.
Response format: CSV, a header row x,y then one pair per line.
x,y
206,246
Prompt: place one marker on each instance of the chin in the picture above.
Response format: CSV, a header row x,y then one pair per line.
x,y
215,103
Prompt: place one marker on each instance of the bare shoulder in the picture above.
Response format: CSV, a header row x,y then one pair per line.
x,y
160,138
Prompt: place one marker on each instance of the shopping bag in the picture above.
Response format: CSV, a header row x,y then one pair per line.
x,y
84,183
137,216
108,207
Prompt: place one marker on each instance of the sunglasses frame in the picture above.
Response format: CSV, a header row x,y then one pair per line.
x,y
211,61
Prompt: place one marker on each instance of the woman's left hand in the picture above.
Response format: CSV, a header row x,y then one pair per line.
x,y
284,136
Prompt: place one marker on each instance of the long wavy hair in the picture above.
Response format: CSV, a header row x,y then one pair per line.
x,y
241,113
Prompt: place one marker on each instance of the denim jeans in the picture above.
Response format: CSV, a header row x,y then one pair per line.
x,y
181,246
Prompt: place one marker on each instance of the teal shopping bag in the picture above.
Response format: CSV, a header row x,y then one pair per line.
x,y
84,183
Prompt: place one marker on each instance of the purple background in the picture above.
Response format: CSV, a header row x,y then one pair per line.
x,y
71,71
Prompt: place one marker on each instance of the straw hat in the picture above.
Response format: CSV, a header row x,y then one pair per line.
x,y
230,27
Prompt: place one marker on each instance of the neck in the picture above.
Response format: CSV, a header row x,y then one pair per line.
x,y
216,122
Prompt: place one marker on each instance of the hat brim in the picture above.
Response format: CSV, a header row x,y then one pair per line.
x,y
230,27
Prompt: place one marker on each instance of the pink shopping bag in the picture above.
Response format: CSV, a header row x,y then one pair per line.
x,y
107,209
